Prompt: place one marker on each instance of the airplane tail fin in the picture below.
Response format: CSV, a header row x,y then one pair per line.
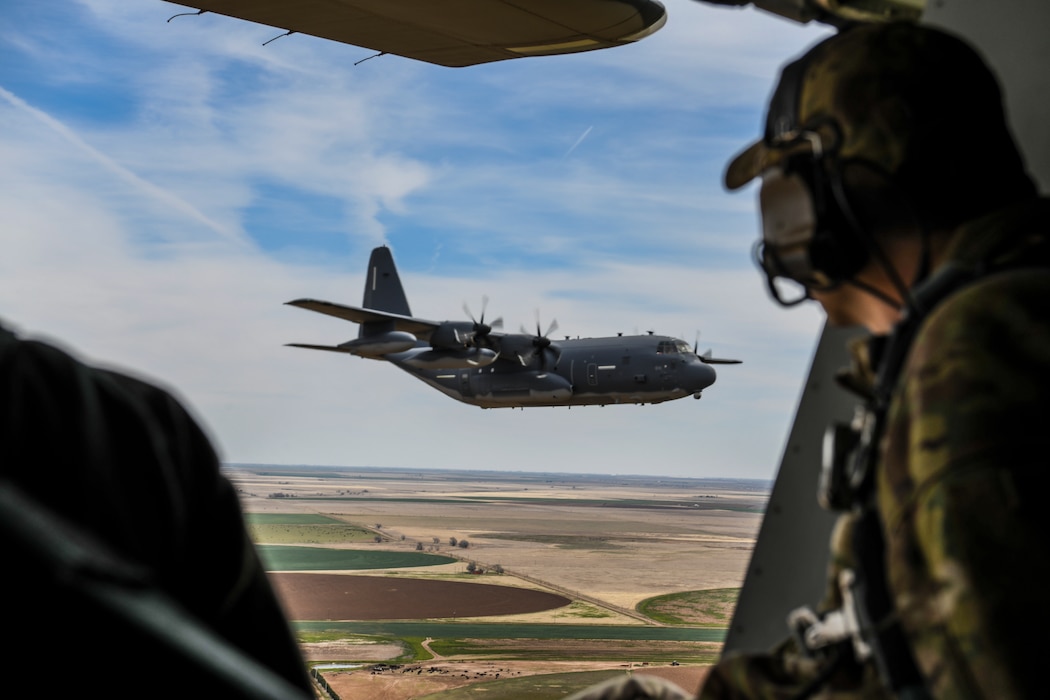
x,y
383,291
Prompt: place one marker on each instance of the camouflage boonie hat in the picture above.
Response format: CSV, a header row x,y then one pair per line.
x,y
865,93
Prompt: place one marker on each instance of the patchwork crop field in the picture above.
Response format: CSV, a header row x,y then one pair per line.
x,y
457,574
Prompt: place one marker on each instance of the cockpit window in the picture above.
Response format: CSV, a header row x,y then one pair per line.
x,y
674,347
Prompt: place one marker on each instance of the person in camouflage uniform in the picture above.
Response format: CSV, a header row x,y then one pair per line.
x,y
893,194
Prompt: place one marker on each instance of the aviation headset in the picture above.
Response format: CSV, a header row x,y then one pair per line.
x,y
820,210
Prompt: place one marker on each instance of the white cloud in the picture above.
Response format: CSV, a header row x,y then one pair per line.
x,y
134,229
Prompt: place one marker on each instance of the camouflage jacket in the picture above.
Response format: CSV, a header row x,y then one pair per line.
x,y
956,485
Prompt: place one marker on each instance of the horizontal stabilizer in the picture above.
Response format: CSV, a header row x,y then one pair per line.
x,y
329,348
373,345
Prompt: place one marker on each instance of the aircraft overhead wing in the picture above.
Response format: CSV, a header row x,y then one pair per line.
x,y
418,327
456,33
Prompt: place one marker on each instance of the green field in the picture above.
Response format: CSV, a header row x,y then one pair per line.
x,y
289,528
708,608
597,649
284,558
529,642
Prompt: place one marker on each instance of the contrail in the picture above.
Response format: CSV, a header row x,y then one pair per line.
x,y
435,256
578,141
120,171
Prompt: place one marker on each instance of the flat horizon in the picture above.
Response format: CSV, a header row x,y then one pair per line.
x,y
508,475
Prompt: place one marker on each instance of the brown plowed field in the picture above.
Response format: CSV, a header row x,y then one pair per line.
x,y
346,597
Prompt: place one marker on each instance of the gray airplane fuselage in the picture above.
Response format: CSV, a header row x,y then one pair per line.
x,y
636,369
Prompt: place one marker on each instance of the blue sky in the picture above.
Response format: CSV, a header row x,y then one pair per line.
x,y
166,186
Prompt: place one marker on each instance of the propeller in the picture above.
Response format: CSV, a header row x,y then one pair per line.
x,y
707,359
541,344
481,329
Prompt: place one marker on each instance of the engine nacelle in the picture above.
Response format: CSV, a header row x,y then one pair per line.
x,y
451,335
468,358
380,344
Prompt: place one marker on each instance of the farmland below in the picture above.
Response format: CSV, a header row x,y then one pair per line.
x,y
450,576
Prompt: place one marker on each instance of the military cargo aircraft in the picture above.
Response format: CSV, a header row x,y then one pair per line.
x,y
473,362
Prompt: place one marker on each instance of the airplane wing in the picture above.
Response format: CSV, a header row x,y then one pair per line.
x,y
456,33
421,328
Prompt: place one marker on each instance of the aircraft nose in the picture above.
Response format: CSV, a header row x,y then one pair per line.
x,y
701,376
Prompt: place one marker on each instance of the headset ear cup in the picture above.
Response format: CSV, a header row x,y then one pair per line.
x,y
807,236
788,223
876,199
838,249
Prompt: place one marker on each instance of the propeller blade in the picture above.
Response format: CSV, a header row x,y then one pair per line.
x,y
541,344
481,330
707,359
